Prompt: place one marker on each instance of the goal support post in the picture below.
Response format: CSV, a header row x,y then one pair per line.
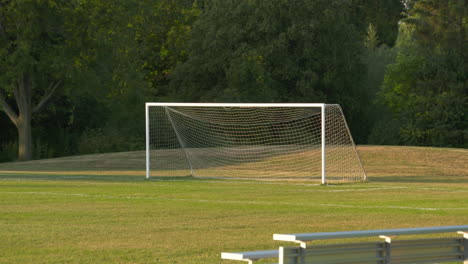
x,y
254,140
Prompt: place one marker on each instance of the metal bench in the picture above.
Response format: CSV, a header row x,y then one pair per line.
x,y
388,250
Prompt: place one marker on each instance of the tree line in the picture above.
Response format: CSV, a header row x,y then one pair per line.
x,y
74,74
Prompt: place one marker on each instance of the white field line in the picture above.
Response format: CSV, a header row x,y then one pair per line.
x,y
232,202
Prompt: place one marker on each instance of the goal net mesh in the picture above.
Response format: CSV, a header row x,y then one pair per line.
x,y
251,142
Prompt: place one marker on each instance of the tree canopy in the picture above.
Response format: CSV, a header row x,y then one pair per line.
x,y
73,72
271,51
426,88
51,45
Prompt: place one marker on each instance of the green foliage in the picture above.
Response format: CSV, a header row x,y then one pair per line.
x,y
372,40
107,140
274,51
384,15
376,59
385,131
426,88
83,48
31,40
107,61
162,30
440,24
8,151
159,31
101,60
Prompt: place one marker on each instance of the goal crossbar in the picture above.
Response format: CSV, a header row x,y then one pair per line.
x,y
239,104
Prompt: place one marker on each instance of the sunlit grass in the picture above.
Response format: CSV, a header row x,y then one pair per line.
x,y
83,210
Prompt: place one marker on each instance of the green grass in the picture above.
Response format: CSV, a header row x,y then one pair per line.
x,y
98,208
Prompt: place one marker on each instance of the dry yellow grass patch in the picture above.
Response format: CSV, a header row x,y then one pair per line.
x,y
415,164
382,164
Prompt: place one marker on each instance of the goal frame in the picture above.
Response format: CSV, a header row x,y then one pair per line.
x,y
322,107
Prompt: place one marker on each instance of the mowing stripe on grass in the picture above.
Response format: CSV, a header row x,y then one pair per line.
x,y
233,202
350,189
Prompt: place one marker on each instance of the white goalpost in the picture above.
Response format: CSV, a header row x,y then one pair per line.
x,y
251,141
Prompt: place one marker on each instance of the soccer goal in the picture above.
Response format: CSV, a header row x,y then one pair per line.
x,y
255,141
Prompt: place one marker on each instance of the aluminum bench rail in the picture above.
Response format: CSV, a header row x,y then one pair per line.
x,y
302,238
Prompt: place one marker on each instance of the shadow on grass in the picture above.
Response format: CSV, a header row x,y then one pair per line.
x,y
84,176
109,177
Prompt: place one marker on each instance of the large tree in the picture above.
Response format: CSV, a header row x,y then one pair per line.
x,y
46,43
426,88
31,49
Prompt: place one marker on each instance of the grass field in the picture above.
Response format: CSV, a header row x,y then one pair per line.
x,y
99,208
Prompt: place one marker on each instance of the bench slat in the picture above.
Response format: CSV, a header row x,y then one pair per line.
x,y
250,255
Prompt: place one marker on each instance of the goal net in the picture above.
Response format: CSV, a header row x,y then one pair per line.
x,y
258,141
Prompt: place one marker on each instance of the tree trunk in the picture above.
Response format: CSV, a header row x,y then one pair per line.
x,y
25,144
23,91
